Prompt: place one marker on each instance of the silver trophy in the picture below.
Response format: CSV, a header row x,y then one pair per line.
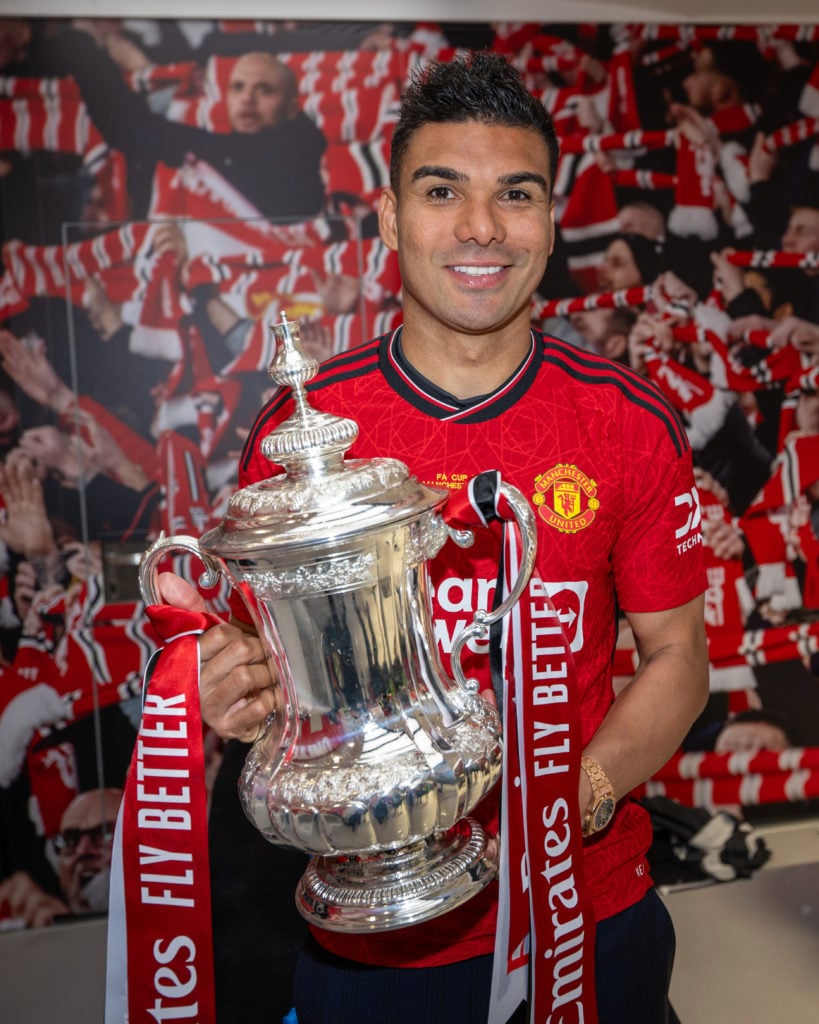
x,y
374,758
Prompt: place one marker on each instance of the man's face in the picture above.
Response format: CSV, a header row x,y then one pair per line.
x,y
802,232
619,269
473,225
260,94
86,829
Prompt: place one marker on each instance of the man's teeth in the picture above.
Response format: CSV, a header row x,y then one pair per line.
x,y
478,271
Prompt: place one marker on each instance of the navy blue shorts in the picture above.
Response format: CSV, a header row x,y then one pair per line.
x,y
634,954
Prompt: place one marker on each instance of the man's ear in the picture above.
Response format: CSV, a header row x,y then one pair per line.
x,y
388,219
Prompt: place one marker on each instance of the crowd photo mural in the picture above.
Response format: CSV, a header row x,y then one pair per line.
x,y
167,188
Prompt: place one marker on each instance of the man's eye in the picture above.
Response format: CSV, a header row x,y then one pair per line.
x,y
517,195
440,192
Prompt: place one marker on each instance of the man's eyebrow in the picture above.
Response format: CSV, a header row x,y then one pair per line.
x,y
522,177
507,180
434,171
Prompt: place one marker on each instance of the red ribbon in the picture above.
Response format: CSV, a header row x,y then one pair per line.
x,y
544,948
160,944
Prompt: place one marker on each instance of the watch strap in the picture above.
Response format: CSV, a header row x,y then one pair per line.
x,y
602,794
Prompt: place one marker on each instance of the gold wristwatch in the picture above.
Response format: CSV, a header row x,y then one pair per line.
x,y
601,806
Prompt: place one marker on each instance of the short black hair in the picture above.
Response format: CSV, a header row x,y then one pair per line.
x,y
479,86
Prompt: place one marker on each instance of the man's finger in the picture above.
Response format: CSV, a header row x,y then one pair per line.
x,y
178,592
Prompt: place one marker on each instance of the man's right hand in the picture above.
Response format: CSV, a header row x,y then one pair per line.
x,y
236,689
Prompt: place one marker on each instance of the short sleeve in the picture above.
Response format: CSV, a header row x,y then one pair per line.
x,y
658,556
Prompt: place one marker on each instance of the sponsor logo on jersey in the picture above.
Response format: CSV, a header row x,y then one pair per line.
x,y
456,599
688,535
566,498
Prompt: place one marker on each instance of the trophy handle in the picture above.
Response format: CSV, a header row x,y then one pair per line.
x,y
156,552
481,621
149,589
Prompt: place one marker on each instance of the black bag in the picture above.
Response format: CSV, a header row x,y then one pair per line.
x,y
691,844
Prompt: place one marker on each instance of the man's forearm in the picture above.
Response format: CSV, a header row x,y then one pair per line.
x,y
653,712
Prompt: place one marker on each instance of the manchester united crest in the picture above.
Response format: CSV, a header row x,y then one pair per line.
x,y
566,498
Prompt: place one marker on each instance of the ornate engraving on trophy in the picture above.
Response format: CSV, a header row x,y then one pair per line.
x,y
425,540
331,574
388,474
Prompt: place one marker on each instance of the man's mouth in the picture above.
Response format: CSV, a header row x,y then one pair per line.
x,y
478,271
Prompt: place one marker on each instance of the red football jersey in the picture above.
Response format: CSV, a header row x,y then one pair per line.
x,y
606,465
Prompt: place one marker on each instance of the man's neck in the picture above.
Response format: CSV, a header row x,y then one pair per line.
x,y
466,365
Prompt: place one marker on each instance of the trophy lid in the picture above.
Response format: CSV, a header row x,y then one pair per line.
x,y
321,496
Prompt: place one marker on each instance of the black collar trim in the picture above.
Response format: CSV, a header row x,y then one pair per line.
x,y
433,401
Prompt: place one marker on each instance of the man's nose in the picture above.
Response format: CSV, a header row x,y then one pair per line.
x,y
87,844
480,220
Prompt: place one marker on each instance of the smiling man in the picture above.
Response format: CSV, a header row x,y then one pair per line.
x,y
84,849
464,386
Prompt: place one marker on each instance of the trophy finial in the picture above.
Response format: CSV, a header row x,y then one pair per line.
x,y
291,366
309,442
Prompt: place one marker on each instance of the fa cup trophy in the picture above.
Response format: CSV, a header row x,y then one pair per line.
x,y
374,758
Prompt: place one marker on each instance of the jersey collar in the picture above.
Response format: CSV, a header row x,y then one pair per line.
x,y
434,401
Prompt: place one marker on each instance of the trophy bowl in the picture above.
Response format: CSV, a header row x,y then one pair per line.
x,y
374,757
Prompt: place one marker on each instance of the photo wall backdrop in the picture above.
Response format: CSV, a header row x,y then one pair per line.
x,y
167,187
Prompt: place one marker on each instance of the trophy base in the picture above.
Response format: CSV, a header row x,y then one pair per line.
x,y
396,888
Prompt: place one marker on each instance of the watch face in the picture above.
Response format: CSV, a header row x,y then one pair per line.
x,y
602,814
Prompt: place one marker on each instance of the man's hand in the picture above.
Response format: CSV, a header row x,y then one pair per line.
x,y
236,688
22,898
801,334
102,452
29,368
24,525
105,316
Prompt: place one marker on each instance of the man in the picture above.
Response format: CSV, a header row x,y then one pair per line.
x,y
272,155
83,847
802,230
261,93
83,855
471,216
